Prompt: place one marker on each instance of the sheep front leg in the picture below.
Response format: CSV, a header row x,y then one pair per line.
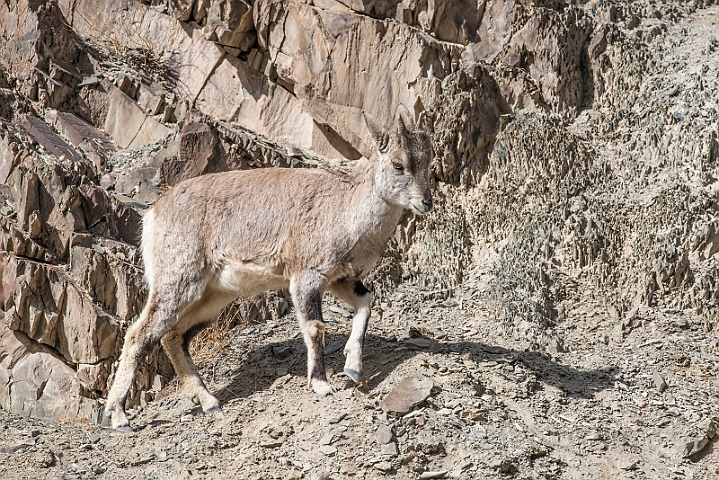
x,y
360,298
307,290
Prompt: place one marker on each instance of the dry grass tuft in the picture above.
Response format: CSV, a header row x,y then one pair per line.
x,y
207,345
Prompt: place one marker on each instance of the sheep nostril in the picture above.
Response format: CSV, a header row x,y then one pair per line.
x,y
427,204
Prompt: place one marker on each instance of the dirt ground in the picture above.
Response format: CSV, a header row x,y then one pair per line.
x,y
599,410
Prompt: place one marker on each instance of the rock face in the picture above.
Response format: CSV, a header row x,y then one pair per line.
x,y
572,171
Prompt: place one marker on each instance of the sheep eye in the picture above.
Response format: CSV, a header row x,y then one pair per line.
x,y
397,166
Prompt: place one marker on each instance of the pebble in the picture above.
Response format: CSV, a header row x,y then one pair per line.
x,y
629,462
383,466
418,343
282,351
479,432
327,439
429,475
328,450
338,419
186,417
270,442
659,381
93,437
340,310
390,449
333,347
383,434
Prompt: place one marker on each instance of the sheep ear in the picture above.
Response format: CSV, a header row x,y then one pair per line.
x,y
405,122
379,135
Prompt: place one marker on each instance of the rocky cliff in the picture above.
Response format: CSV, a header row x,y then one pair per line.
x,y
576,163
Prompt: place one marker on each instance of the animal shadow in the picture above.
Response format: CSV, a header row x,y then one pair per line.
x,y
263,366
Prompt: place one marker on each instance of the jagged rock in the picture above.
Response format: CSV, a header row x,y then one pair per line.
x,y
189,58
239,94
35,382
124,118
92,141
128,124
331,93
47,306
109,272
49,140
9,149
450,21
196,152
36,38
229,23
150,100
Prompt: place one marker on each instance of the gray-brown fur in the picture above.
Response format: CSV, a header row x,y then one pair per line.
x,y
216,237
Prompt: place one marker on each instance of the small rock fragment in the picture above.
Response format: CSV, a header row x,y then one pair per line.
x,y
479,432
629,462
383,466
270,442
333,347
383,434
429,475
390,449
494,350
692,447
340,310
327,439
337,419
409,392
709,426
418,343
659,381
282,351
328,450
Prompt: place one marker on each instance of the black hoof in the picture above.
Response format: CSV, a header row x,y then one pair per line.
x,y
213,411
354,375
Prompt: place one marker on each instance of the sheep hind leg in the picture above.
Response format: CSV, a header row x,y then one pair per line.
x,y
176,342
155,320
